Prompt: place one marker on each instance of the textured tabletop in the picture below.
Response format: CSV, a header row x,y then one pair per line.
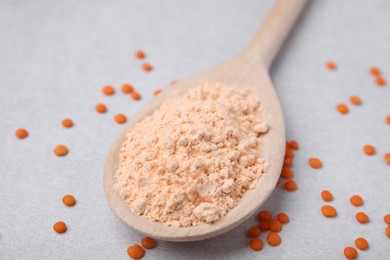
x,y
55,56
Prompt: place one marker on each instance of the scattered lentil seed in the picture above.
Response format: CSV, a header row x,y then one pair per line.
x,y
21,133
147,67
127,88
273,239
59,227
61,150
375,71
68,200
120,118
108,90
331,65
140,54
356,200
283,218
388,231
67,123
135,95
293,145
315,163
288,162
361,243
290,185
264,226
264,215
256,244
350,253
369,149
275,225
342,108
362,218
135,251
328,211
287,173
156,92
148,242
380,81
387,219
254,232
326,195
289,154
387,158
355,100
101,108
388,120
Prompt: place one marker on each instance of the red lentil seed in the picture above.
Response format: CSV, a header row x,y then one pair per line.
x,y
326,195
254,232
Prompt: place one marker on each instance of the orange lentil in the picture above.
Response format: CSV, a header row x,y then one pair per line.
x,y
288,162
59,227
67,123
369,149
101,108
283,218
264,215
331,65
380,81
326,195
148,242
356,200
293,145
68,200
290,185
350,253
289,154
287,173
275,225
342,108
361,217
21,133
120,118
361,243
108,90
328,211
61,150
140,54
375,71
127,88
279,181
388,231
355,100
264,226
254,232
388,120
273,239
147,67
387,219
387,158
135,95
315,163
156,92
256,244
135,251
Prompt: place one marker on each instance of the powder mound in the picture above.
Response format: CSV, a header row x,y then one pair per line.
x,y
192,160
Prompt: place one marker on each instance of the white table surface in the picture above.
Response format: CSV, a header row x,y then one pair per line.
x,y
55,56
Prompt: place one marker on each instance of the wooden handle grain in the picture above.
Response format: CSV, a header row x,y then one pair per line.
x,y
274,30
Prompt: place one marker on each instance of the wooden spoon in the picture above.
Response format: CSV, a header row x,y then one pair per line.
x,y
248,70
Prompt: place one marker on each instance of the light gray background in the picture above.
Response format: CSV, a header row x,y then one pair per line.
x,y
56,55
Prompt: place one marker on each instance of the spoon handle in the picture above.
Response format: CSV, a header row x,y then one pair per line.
x,y
274,30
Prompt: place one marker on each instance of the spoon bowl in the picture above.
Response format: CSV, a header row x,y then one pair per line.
x,y
248,70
